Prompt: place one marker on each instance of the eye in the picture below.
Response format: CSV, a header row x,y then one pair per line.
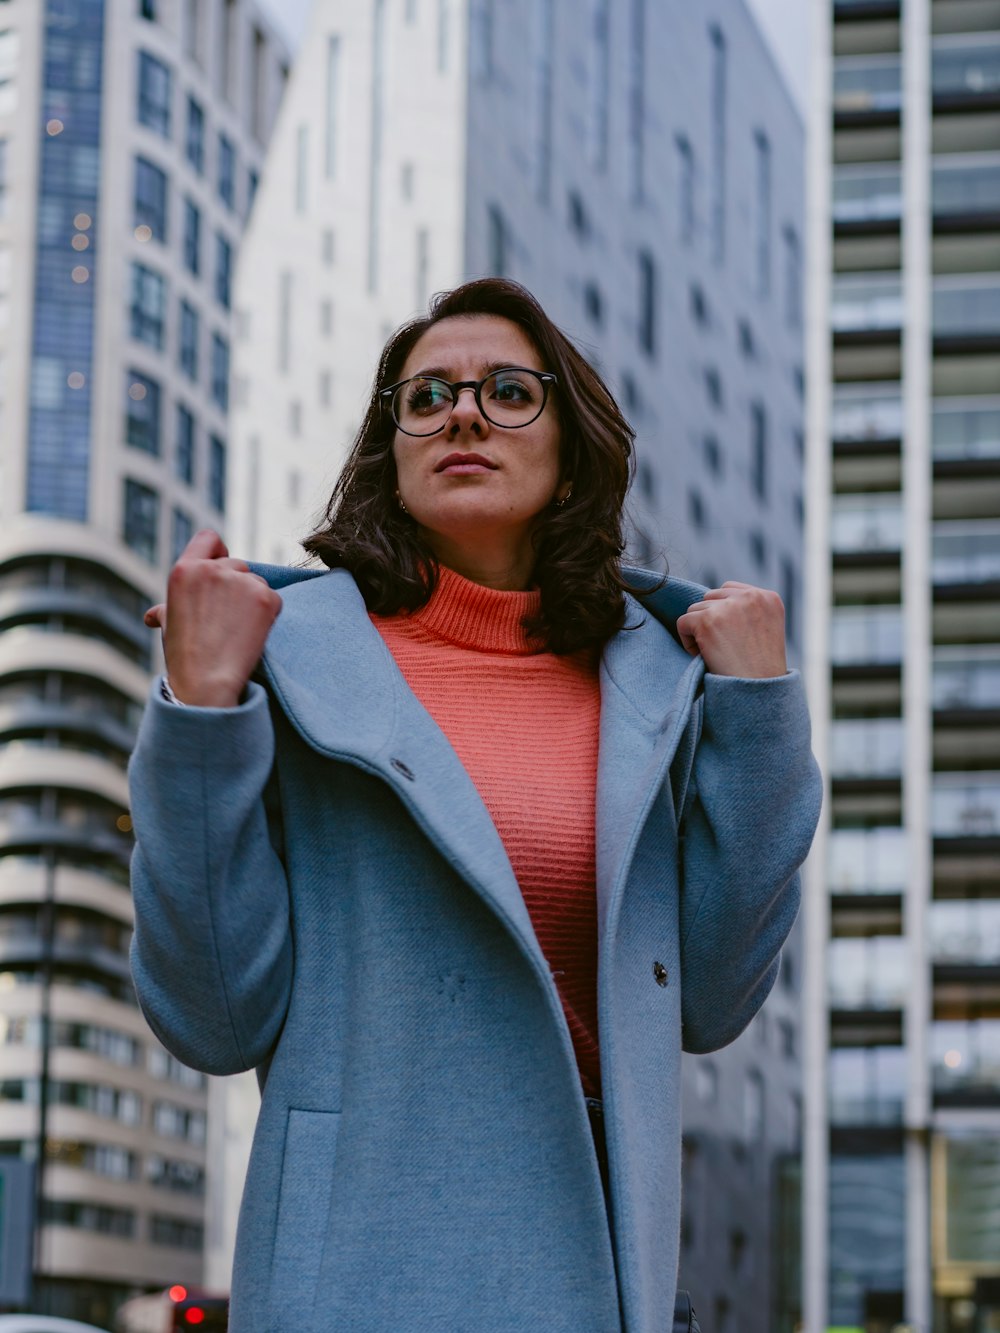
x,y
425,396
511,386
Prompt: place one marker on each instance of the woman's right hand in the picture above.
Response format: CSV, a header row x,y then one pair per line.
x,y
215,623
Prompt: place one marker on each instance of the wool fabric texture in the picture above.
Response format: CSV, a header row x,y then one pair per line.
x,y
525,724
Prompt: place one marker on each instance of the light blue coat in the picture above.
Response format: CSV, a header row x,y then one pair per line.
x,y
321,894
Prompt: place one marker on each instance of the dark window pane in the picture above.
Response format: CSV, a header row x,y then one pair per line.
x,y
189,337
184,456
192,237
220,371
140,525
181,532
142,412
227,171
154,94
149,306
217,474
223,270
150,198
647,302
195,144
758,450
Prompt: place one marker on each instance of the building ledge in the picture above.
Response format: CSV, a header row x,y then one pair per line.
x,y
867,118
866,337
968,1097
867,670
879,444
960,104
966,467
966,344
859,227
964,844
971,220
967,718
987,590
858,1140
866,559
865,11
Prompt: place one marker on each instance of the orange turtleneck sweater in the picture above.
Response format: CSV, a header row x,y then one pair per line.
x,y
525,724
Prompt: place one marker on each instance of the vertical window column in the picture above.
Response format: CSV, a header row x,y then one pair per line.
x,y
637,101
718,112
762,214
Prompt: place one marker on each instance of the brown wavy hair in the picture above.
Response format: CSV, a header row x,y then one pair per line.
x,y
578,546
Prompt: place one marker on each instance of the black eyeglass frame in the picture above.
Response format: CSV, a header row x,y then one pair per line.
x,y
546,378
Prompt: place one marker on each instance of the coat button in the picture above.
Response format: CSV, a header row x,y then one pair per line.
x,y
660,974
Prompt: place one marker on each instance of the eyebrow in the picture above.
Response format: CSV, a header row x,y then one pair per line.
x,y
443,373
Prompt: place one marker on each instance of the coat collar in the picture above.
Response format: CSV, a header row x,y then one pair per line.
x,y
341,689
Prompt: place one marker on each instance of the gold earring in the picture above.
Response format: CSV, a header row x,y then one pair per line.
x,y
561,504
399,501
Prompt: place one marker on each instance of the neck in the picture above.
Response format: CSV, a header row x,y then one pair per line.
x,y
500,565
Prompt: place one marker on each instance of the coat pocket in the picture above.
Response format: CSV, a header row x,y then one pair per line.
x,y
303,1205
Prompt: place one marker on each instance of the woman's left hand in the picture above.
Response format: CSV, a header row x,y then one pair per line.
x,y
738,629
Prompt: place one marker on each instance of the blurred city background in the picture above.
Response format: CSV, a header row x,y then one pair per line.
x,y
775,229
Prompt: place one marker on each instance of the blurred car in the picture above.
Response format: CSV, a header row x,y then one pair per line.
x,y
44,1323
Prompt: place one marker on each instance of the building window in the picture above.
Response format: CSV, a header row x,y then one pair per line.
x,y
150,198
411,11
154,94
713,387
189,339
593,304
226,179
217,474
141,519
713,454
718,111
332,105
545,11
793,279
147,10
258,86
484,19
176,1233
328,246
699,305
253,180
181,532
149,306
600,83
375,157
647,302
192,30
192,237
685,189
223,270
753,1106
326,318
3,178
301,168
142,412
325,388
758,549
697,516
762,214
184,448
194,145
423,258
295,417
497,242
220,372
578,220
748,344
758,450
227,51
637,100
706,1081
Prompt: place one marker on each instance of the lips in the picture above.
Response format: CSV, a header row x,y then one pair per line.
x,y
471,461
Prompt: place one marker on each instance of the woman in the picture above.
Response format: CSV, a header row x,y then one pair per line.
x,y
466,858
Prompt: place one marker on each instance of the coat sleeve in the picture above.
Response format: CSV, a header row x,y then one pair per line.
x,y
749,819
211,953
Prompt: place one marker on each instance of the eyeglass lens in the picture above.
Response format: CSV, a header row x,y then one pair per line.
x,y
508,398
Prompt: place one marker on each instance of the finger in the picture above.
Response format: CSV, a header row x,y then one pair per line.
x,y
697,606
232,562
205,545
156,617
690,644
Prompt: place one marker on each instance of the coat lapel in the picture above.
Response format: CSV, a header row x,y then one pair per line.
x,y
341,689
648,683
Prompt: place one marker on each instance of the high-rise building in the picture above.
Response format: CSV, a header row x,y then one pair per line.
x,y
639,166
902,1074
131,138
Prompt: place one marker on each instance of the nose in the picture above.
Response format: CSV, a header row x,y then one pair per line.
x,y
466,416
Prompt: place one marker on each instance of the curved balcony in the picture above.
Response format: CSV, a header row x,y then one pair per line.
x,y
31,834
38,718
77,612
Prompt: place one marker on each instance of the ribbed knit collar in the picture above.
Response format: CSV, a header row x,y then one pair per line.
x,y
485,619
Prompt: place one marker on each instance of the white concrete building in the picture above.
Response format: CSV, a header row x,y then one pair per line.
x,y
640,167
131,138
902,1076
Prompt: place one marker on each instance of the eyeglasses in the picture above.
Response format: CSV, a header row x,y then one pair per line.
x,y
509,398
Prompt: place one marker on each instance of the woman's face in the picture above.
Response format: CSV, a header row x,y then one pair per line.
x,y
514,475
